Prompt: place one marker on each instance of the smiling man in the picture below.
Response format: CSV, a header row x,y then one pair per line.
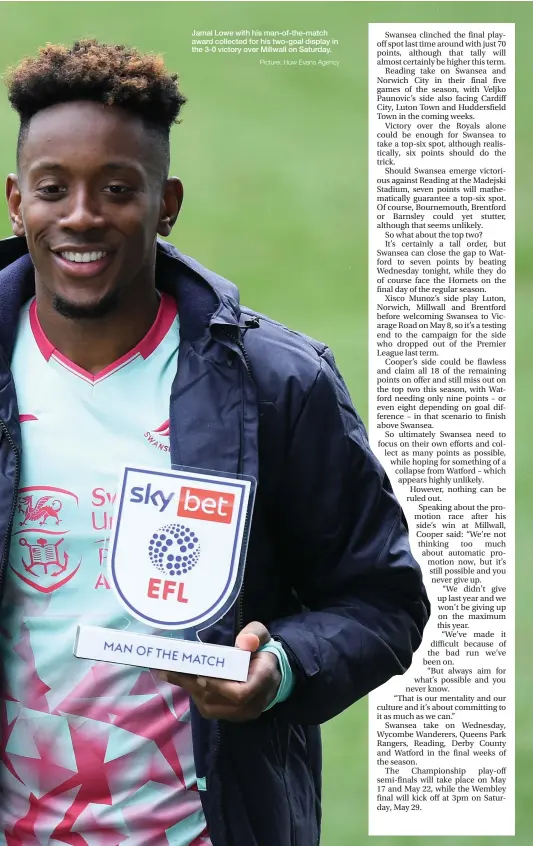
x,y
117,349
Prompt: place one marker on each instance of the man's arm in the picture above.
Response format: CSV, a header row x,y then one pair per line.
x,y
346,544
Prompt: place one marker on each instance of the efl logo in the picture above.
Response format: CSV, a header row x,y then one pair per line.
x,y
206,505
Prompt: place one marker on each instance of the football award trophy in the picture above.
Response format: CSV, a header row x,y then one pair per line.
x,y
176,563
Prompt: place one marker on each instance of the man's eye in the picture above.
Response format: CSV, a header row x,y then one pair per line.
x,y
118,189
51,189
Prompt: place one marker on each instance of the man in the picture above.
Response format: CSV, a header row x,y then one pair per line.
x,y
115,348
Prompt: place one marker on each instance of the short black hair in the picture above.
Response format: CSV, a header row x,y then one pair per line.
x,y
111,74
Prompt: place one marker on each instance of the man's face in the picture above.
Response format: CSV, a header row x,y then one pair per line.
x,y
90,199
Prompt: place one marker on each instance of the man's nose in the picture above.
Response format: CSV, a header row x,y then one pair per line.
x,y
83,211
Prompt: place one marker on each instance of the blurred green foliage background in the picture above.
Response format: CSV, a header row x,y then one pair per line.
x,y
274,162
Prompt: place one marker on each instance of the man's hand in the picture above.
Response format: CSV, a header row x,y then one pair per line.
x,y
219,699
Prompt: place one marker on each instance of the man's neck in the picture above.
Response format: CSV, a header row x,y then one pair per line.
x,y
95,343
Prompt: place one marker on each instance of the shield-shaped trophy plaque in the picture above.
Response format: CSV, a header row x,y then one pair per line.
x,y
176,562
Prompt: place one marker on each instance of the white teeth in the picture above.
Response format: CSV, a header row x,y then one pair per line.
x,y
83,257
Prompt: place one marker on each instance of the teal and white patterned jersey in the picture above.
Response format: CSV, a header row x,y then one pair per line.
x,y
93,754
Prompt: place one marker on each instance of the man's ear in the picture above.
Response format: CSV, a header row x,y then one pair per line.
x,y
14,204
170,205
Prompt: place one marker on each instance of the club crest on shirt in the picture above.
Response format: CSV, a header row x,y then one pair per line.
x,y
39,553
159,437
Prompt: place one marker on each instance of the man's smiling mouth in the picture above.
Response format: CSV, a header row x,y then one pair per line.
x,y
78,262
83,257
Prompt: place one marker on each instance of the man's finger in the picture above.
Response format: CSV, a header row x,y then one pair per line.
x,y
232,691
198,686
239,693
253,636
187,681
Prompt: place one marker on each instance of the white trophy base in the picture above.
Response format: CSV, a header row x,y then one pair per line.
x,y
162,653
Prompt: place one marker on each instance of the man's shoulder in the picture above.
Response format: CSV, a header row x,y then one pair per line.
x,y
283,360
278,354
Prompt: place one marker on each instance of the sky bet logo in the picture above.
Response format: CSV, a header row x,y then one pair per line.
x,y
206,505
147,495
196,503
